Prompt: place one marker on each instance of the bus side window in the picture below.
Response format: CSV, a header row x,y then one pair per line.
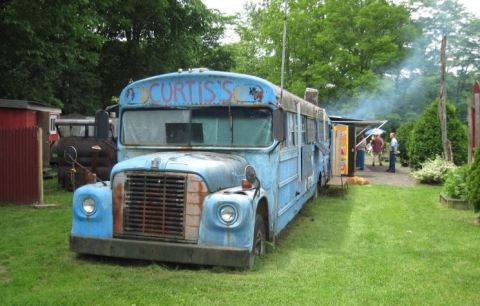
x,y
321,128
304,130
311,131
291,129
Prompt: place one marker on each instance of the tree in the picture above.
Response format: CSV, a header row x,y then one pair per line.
x,y
473,182
442,112
49,52
338,47
403,136
150,37
78,54
425,141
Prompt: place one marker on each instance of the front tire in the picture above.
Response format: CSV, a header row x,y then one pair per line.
x,y
259,240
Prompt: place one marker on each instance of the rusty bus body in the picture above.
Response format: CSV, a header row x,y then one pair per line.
x,y
210,166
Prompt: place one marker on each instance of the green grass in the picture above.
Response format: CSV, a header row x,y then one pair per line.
x,y
378,245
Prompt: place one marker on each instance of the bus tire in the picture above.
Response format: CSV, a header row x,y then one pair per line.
x,y
259,246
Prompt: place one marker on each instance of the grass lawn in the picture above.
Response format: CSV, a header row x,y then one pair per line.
x,y
378,245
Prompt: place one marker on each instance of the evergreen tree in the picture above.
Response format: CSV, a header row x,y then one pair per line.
x,y
425,140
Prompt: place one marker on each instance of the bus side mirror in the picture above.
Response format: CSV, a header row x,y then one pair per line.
x,y
279,124
102,124
70,155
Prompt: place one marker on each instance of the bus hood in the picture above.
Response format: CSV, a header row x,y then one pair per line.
x,y
218,170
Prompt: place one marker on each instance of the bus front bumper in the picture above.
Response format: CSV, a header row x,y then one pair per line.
x,y
161,251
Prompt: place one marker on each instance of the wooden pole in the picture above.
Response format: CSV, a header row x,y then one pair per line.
x,y
442,111
40,164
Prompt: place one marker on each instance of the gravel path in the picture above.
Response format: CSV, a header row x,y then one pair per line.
x,y
377,175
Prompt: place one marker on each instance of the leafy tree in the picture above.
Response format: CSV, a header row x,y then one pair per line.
x,y
49,52
403,136
78,54
473,182
151,37
448,17
425,139
338,47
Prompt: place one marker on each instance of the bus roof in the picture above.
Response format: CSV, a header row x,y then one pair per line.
x,y
211,88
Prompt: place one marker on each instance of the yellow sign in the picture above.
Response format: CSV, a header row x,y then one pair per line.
x,y
340,147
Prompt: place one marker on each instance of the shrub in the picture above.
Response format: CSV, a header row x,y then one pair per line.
x,y
426,140
473,182
403,137
433,171
455,183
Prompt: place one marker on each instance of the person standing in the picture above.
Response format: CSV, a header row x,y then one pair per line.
x,y
361,146
377,146
393,150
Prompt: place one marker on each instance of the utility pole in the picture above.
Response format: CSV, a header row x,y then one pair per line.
x,y
284,47
442,109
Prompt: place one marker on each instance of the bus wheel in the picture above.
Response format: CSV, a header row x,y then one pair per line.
x,y
259,240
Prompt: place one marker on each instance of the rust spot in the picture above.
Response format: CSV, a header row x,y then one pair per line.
x,y
117,208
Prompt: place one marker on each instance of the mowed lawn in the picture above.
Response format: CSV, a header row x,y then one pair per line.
x,y
378,245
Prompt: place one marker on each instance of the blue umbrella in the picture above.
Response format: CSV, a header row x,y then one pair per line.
x,y
375,131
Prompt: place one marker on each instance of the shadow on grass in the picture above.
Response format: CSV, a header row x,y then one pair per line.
x,y
321,225
168,266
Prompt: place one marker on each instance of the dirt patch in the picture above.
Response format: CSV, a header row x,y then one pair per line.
x,y
4,275
377,174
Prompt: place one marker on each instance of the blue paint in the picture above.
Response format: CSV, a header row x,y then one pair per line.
x,y
218,170
288,171
207,88
214,232
99,224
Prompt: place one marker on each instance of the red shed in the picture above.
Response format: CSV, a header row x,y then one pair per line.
x,y
15,114
22,150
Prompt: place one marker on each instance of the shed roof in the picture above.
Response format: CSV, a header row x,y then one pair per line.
x,y
29,105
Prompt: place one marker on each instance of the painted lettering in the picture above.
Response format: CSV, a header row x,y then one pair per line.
x,y
228,91
200,92
212,93
154,101
179,88
170,91
196,92
190,94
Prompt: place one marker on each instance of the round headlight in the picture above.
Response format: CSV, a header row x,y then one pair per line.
x,y
88,206
228,214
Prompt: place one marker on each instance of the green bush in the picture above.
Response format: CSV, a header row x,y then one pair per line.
x,y
433,171
455,183
426,140
403,137
473,182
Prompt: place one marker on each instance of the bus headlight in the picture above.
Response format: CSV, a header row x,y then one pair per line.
x,y
228,214
88,206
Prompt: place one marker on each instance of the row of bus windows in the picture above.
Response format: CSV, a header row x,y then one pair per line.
x,y
313,131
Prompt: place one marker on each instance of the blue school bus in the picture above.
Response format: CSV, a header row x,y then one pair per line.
x,y
211,166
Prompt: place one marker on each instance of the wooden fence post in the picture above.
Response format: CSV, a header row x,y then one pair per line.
x,y
40,164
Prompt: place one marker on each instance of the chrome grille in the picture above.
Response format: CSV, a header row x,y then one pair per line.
x,y
154,205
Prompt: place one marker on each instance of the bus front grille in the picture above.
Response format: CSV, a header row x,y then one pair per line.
x,y
154,205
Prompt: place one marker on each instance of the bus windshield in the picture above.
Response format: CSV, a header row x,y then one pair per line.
x,y
213,126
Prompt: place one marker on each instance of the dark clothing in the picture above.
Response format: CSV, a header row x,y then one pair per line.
x,y
393,149
361,159
391,163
